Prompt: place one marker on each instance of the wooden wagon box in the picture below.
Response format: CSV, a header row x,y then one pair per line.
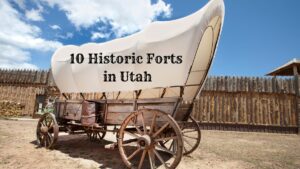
x,y
113,112
151,119
78,111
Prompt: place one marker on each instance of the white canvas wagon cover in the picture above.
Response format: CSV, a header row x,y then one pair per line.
x,y
194,37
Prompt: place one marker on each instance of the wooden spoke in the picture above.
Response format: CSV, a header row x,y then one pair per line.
x,y
43,123
48,139
153,123
50,136
143,122
131,134
160,159
45,141
170,146
47,120
96,135
136,127
190,137
151,156
161,129
193,129
148,142
187,142
129,142
142,159
166,142
49,123
47,130
190,131
166,150
166,139
50,127
134,153
185,150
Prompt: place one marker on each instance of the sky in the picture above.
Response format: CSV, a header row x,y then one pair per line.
x,y
257,36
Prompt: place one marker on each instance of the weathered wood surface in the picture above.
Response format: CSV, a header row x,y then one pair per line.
x,y
23,95
250,84
23,76
22,86
255,101
26,77
252,101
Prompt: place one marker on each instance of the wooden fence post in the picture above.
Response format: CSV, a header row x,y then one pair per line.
x,y
296,77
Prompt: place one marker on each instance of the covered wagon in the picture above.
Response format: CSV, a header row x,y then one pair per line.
x,y
152,120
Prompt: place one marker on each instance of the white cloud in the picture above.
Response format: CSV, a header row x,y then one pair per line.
x,y
18,66
125,17
7,52
55,27
161,8
34,14
21,4
68,35
99,35
17,37
14,58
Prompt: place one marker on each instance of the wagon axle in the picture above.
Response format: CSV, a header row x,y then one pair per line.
x,y
145,142
44,129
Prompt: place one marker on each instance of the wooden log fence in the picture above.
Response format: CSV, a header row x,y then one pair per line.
x,y
248,103
229,103
22,87
22,95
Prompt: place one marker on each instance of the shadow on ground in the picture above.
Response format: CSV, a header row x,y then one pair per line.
x,y
79,146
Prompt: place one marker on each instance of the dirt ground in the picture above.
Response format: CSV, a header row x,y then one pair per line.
x,y
218,149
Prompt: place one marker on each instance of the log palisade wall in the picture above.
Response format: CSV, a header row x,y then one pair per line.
x,y
24,95
23,86
247,103
226,103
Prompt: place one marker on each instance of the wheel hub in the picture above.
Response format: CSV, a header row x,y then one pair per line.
x,y
44,129
144,141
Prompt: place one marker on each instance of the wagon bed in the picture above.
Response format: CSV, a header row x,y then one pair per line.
x,y
139,124
152,121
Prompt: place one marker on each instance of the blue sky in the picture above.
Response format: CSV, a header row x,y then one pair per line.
x,y
258,35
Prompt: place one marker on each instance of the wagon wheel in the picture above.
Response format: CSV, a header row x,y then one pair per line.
x,y
95,135
191,135
139,137
47,130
